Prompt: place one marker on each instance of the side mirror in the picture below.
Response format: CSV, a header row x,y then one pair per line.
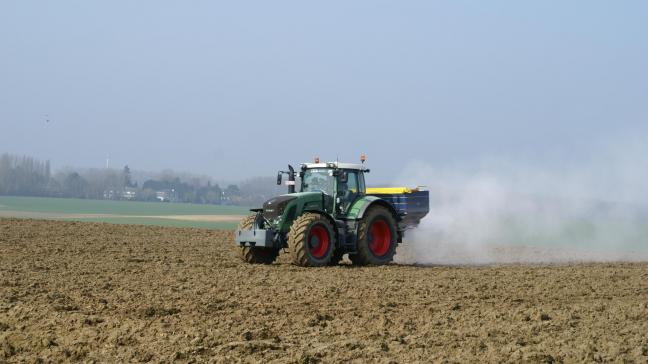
x,y
279,178
344,177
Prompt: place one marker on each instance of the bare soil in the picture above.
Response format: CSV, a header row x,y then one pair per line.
x,y
72,291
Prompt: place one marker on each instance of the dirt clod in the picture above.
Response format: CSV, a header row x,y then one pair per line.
x,y
159,311
544,317
247,335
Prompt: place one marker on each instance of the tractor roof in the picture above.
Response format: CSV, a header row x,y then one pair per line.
x,y
334,165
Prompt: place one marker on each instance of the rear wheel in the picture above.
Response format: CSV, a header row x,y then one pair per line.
x,y
311,240
377,238
252,254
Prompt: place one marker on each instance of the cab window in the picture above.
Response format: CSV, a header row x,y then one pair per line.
x,y
349,191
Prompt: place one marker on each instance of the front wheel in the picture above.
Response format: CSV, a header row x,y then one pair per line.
x,y
377,238
311,240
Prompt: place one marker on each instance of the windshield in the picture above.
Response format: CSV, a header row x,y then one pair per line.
x,y
316,180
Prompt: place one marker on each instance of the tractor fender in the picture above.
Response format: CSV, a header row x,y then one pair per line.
x,y
361,206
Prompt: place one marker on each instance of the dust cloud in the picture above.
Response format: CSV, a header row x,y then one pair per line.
x,y
495,211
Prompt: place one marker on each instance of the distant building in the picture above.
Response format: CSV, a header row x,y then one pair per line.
x,y
110,195
162,196
166,195
129,193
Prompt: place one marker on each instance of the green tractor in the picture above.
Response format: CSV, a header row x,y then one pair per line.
x,y
333,214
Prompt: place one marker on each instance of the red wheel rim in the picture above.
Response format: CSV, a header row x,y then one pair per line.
x,y
318,241
379,238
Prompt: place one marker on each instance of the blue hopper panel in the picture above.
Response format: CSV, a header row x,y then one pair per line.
x,y
411,206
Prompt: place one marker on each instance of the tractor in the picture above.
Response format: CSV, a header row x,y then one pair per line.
x,y
333,214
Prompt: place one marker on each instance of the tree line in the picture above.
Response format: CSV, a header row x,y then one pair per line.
x,y
27,176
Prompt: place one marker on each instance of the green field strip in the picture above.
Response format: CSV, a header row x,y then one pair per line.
x,y
81,206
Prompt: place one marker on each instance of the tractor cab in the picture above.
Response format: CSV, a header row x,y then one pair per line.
x,y
343,182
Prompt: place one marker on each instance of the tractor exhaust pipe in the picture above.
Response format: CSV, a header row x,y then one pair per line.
x,y
291,178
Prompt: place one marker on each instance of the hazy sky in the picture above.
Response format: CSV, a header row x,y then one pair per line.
x,y
241,88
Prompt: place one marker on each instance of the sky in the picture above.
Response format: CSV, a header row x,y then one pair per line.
x,y
239,89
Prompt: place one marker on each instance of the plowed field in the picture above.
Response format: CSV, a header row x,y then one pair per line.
x,y
72,291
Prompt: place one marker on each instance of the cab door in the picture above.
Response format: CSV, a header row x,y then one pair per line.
x,y
349,189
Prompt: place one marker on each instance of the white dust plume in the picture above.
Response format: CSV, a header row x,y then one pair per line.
x,y
522,212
